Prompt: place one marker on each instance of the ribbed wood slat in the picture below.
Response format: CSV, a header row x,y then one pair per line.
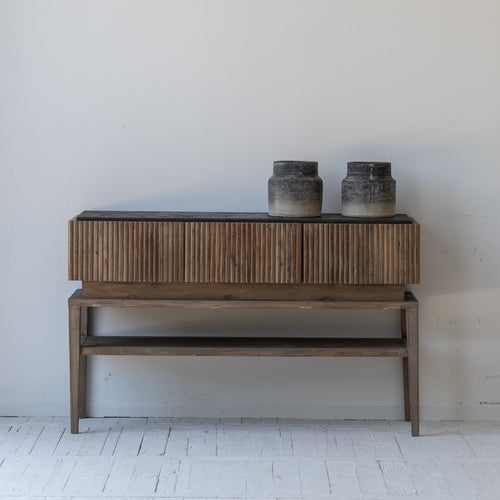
x,y
361,254
134,252
239,252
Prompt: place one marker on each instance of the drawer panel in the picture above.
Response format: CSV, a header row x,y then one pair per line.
x,y
190,252
237,252
126,251
361,254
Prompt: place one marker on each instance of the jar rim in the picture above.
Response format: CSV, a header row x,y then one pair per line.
x,y
369,163
295,167
296,162
376,168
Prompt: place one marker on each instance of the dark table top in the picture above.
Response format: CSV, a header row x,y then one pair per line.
x,y
111,215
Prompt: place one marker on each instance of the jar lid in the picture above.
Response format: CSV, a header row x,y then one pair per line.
x,y
298,167
377,168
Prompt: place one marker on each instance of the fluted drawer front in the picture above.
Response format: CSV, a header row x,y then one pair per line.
x,y
237,252
126,251
192,252
361,254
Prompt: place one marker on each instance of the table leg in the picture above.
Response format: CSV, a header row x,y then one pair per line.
x,y
406,392
412,342
82,376
74,364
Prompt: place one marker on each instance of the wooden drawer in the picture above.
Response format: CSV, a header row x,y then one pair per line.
x,y
119,251
361,254
240,252
190,252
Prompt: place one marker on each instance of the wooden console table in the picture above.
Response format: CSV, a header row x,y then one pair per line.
x,y
249,260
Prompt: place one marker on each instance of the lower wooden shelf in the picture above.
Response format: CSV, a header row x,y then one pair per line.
x,y
243,346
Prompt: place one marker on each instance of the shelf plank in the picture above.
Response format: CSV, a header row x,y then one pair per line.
x,y
243,346
80,299
238,291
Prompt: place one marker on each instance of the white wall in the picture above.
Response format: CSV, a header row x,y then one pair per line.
x,y
184,105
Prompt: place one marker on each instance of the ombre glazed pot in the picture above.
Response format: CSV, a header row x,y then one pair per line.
x,y
368,190
295,189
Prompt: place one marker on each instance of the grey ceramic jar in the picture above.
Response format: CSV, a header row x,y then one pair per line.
x,y
295,189
368,190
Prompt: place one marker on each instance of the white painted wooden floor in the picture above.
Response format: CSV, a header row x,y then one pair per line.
x,y
247,459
